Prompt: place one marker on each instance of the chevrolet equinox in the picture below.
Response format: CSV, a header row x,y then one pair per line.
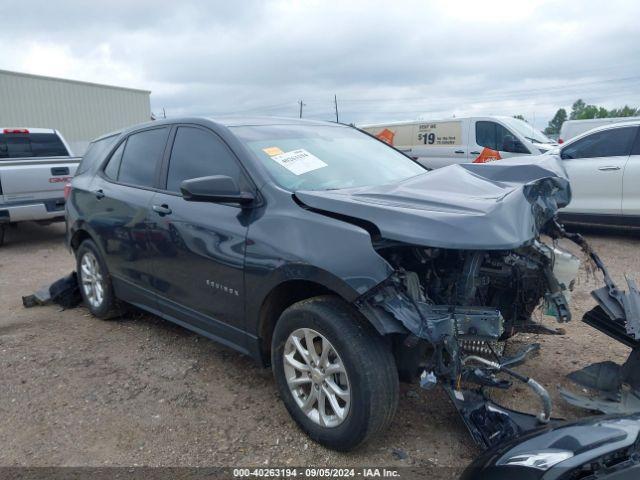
x,y
345,265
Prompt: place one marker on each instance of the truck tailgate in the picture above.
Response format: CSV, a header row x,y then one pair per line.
x,y
27,179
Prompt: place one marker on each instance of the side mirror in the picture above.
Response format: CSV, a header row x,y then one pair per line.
x,y
216,188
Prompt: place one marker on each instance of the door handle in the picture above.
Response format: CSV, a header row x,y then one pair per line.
x,y
459,151
162,209
99,194
474,153
405,150
608,167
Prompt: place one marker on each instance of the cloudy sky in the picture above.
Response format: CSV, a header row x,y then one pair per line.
x,y
385,60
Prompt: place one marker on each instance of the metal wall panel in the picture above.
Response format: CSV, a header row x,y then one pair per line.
x,y
80,111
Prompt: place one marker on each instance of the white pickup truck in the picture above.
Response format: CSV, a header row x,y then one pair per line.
x,y
35,166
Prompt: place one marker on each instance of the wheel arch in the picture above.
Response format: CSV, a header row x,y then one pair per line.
x,y
80,232
78,237
281,297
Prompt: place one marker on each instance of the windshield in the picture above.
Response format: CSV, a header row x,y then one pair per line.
x,y
324,157
527,130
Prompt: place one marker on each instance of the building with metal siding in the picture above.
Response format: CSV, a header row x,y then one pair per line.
x,y
81,111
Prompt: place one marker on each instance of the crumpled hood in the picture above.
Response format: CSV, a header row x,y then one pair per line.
x,y
494,206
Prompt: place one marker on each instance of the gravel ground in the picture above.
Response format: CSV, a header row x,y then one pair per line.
x,y
77,391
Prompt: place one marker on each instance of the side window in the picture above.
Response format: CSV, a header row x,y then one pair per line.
x,y
607,143
486,135
496,137
141,155
95,153
507,142
112,168
198,153
635,150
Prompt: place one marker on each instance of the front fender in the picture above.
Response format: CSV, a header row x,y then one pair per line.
x,y
292,243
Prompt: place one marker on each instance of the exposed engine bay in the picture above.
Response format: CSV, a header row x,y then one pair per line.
x,y
461,305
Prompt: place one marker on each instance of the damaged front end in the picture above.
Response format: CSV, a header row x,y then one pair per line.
x,y
473,250
459,306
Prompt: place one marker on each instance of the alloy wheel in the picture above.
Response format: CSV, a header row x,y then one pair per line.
x,y
91,279
316,377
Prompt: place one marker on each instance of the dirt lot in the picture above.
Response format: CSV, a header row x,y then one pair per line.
x,y
141,391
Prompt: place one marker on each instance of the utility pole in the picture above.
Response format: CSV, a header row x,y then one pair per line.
x,y
164,114
301,105
335,102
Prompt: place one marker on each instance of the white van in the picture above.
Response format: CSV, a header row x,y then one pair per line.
x,y
438,143
573,128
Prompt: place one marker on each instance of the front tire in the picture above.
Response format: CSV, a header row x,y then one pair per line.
x,y
336,375
95,282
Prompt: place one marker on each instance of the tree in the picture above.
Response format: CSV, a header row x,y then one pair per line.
x,y
625,111
582,111
520,117
577,109
556,122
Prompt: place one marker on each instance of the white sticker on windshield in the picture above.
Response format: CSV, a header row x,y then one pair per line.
x,y
299,161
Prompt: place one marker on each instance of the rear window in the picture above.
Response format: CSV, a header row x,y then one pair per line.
x,y
20,145
95,153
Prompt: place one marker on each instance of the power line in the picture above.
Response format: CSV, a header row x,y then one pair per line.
x,y
497,95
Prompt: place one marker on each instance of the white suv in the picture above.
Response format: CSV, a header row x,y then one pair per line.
x,y
604,168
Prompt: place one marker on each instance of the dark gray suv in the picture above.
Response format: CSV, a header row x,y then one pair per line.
x,y
324,252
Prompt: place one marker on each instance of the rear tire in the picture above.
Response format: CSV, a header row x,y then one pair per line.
x,y
370,376
95,283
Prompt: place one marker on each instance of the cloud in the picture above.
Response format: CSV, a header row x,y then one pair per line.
x,y
384,60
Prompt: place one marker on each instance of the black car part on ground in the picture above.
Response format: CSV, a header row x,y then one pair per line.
x,y
64,292
593,448
616,387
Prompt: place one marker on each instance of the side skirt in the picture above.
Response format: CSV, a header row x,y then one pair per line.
x,y
215,330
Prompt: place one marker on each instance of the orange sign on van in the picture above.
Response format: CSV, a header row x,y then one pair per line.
x,y
487,155
386,136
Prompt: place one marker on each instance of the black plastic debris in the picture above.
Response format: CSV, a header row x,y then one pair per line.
x,y
616,387
491,424
64,292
